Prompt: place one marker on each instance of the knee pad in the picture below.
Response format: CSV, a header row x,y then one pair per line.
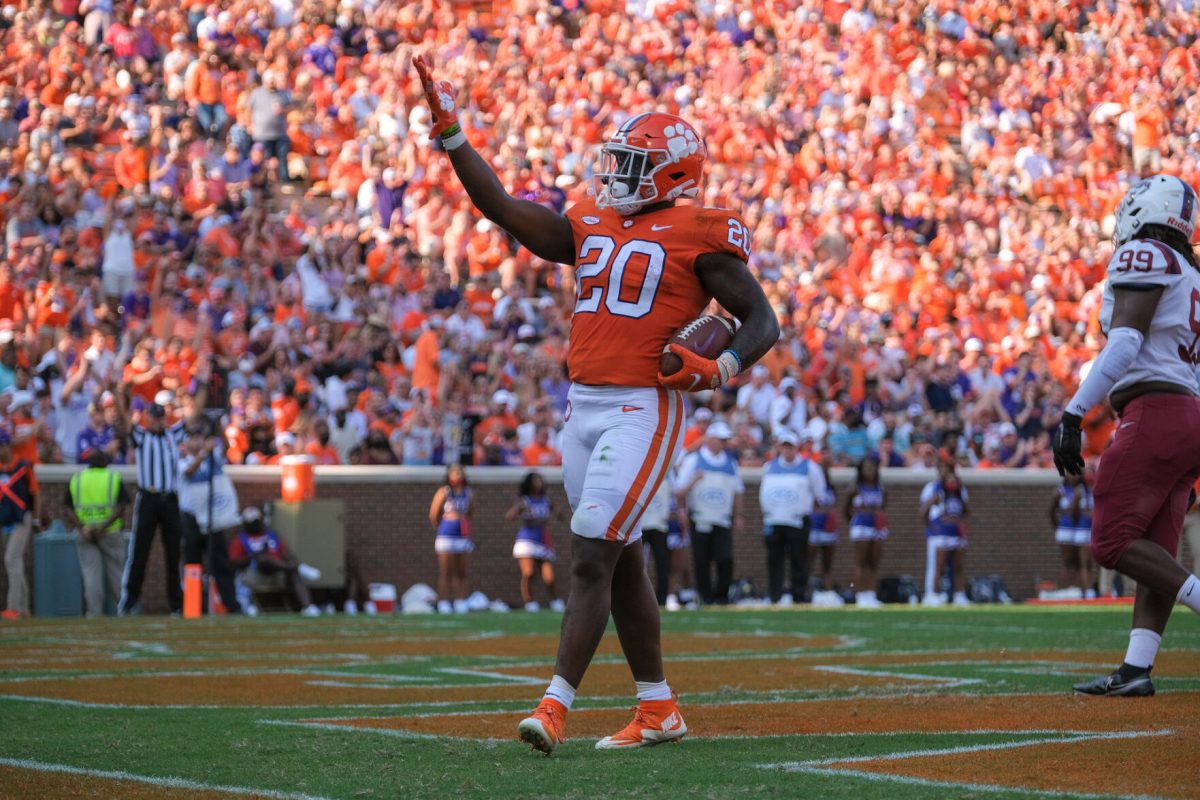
x,y
591,519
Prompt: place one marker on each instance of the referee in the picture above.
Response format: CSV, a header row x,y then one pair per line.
x,y
156,505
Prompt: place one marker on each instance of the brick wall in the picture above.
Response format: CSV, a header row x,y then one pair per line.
x,y
388,530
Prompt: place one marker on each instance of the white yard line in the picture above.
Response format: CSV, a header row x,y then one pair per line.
x,y
166,783
325,726
942,680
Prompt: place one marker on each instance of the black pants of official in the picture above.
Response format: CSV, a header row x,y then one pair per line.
x,y
716,546
657,540
195,544
787,545
150,513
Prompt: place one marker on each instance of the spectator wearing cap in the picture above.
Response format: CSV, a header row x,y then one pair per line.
x,y
693,437
1013,451
710,485
20,507
791,484
23,427
97,435
285,445
788,407
156,505
96,501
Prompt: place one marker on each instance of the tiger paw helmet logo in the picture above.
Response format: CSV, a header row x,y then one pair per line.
x,y
681,141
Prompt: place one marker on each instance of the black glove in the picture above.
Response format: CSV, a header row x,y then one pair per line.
x,y
1068,455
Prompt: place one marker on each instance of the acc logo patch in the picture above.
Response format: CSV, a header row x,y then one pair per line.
x,y
589,220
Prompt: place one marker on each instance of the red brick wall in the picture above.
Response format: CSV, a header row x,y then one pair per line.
x,y
387,527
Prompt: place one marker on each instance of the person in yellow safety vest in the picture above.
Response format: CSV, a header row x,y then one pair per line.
x,y
97,499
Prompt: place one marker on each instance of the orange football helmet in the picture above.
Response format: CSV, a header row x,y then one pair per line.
x,y
652,158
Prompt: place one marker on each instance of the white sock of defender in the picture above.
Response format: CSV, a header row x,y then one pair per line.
x,y
651,690
1189,593
1143,647
561,691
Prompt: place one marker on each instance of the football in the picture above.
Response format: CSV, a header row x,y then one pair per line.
x,y
707,336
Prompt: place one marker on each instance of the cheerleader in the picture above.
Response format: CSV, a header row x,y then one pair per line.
x,y
534,546
822,539
944,507
868,529
450,516
1071,515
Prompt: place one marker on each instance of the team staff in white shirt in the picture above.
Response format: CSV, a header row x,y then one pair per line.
x,y
788,493
710,485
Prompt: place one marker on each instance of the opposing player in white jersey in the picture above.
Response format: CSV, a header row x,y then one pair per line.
x,y
1148,370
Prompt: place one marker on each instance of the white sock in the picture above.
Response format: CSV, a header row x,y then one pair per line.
x,y
561,691
1189,593
1143,647
651,690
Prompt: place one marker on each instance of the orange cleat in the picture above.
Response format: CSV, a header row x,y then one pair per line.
x,y
543,729
654,722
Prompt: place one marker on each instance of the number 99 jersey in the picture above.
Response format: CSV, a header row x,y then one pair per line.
x,y
1171,350
635,285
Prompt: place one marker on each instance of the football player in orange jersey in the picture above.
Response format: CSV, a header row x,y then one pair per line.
x,y
644,267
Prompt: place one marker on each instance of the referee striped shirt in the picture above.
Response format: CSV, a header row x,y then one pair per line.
x,y
158,457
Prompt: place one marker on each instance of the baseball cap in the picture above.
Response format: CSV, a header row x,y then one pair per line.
x,y
504,397
786,436
702,414
806,436
1008,429
760,371
974,345
164,398
788,383
526,331
251,514
719,430
285,438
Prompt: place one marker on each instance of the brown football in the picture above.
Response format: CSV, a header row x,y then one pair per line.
x,y
706,336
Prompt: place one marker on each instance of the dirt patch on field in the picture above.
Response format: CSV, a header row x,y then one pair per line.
x,y
936,714
31,784
1159,766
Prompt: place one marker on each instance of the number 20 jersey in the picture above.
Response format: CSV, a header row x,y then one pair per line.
x,y
635,285
1171,349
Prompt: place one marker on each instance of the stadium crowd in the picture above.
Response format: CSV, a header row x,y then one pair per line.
x,y
252,182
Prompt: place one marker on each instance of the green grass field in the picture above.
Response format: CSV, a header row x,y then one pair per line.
x,y
899,703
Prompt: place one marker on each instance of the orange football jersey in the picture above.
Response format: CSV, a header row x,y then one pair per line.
x,y
635,285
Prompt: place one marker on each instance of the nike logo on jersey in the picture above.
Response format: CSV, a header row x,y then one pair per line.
x,y
1126,424
627,409
659,227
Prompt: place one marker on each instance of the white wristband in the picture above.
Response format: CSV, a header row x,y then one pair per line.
x,y
454,141
728,365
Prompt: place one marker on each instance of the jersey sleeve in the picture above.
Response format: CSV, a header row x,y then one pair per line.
x,y
724,232
1144,262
